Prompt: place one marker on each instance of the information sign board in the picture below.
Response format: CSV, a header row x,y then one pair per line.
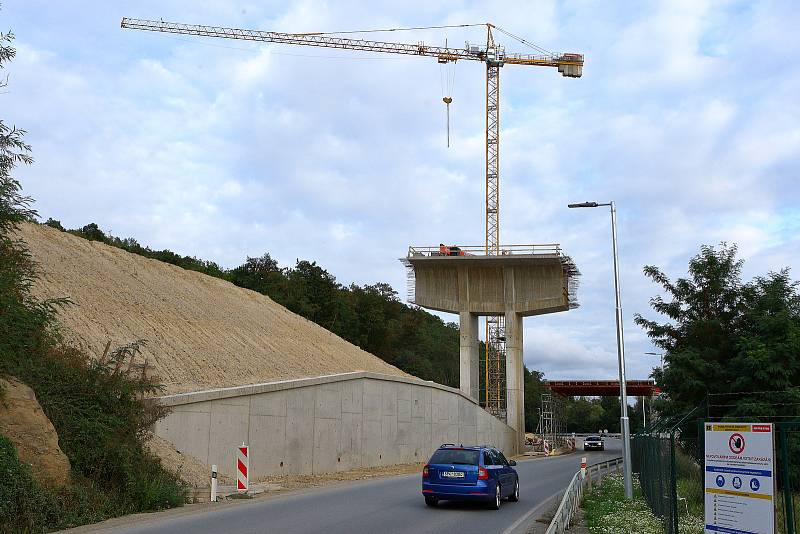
x,y
739,478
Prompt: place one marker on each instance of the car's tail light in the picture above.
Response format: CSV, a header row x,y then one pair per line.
x,y
483,474
425,472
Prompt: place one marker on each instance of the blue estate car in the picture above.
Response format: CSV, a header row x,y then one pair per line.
x,y
479,473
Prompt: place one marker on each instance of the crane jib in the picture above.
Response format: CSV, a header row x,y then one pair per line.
x,y
443,54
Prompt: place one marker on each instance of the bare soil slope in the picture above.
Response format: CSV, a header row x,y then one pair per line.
x,y
201,332
24,423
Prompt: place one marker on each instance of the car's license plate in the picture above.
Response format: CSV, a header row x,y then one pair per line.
x,y
452,474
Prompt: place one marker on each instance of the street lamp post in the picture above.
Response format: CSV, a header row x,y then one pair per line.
x,y
624,423
658,354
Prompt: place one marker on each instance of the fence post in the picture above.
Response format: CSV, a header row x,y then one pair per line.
x,y
673,483
787,482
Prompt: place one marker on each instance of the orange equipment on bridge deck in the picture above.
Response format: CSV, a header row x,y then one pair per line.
x,y
444,250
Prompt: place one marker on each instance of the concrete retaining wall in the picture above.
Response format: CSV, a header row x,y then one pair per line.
x,y
329,423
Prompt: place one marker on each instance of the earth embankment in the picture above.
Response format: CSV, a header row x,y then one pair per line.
x,y
201,332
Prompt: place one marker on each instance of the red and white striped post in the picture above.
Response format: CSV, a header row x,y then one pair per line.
x,y
546,448
583,467
242,468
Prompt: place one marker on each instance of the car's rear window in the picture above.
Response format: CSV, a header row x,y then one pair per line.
x,y
455,457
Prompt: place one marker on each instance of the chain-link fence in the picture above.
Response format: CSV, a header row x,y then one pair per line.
x,y
669,458
788,467
654,456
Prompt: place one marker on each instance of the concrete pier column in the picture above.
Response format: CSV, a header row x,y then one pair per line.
x,y
515,378
469,379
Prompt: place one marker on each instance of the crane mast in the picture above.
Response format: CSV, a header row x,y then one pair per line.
x,y
494,362
494,57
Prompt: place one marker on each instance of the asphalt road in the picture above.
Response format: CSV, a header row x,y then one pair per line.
x,y
386,506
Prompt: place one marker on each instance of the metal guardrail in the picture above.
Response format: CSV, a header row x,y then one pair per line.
x,y
480,250
562,519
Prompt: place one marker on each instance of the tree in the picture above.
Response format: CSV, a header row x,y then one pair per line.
x,y
534,387
22,318
262,275
726,338
53,223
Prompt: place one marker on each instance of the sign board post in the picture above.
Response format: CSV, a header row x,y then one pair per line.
x,y
242,467
213,483
739,478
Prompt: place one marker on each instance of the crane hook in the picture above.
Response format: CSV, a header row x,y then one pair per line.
x,y
448,100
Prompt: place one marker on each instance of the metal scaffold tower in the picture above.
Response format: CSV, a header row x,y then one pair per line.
x,y
552,419
495,366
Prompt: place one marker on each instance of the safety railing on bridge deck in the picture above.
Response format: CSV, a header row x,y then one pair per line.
x,y
571,501
552,249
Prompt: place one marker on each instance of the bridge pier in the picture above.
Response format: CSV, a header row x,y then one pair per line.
x,y
469,350
518,281
515,378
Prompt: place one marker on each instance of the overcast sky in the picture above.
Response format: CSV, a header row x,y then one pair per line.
x,y
687,115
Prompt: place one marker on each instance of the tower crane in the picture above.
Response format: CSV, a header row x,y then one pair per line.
x,y
493,56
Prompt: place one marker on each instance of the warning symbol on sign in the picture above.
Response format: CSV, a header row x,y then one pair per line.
x,y
736,443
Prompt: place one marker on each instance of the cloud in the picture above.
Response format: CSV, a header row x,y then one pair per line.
x,y
686,116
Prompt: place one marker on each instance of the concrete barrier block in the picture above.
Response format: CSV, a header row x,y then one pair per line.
x,y
267,444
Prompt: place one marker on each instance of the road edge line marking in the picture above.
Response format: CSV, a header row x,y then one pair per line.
x,y
524,518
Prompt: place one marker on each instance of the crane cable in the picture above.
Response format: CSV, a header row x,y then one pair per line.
x,y
413,28
525,41
447,80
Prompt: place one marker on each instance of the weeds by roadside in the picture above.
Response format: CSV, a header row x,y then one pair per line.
x,y
607,512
